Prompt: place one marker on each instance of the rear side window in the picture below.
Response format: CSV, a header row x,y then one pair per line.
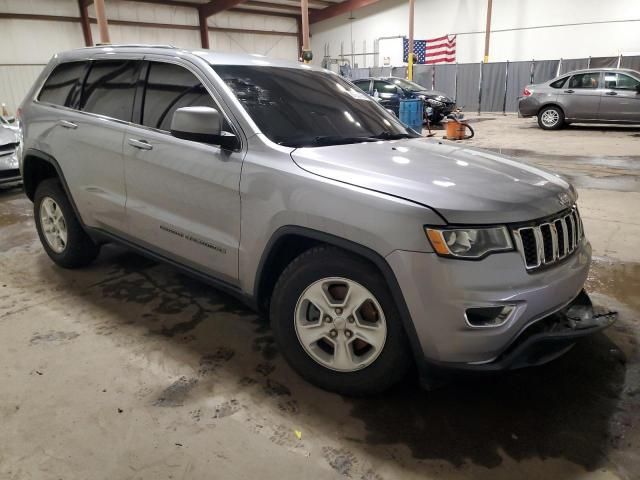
x,y
110,88
362,85
559,83
170,87
585,80
64,85
384,87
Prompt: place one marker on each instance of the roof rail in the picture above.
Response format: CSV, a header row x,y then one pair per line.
x,y
134,45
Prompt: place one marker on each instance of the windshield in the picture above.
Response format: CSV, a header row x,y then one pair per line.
x,y
407,85
306,108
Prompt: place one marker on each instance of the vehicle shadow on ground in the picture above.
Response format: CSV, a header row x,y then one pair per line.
x,y
562,410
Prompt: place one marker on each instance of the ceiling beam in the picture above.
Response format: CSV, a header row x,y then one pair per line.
x,y
338,9
170,3
279,6
218,6
243,9
132,23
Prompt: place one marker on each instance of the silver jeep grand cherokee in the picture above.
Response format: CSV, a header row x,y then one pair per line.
x,y
372,249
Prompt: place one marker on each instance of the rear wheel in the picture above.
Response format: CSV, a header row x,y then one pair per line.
x,y
337,325
60,232
551,118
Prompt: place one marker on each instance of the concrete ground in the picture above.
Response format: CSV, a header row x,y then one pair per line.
x,y
130,370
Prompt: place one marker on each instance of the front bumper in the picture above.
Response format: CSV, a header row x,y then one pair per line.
x,y
438,291
549,338
9,168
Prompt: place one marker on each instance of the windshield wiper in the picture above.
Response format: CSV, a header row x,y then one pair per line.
x,y
393,136
326,140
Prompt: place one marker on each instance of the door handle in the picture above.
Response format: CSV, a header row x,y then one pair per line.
x,y
568,91
67,124
612,93
141,144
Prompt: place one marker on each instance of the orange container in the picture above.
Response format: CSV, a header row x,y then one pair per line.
x,y
455,130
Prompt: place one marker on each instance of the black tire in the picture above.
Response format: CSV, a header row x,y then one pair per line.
x,y
79,250
394,360
553,112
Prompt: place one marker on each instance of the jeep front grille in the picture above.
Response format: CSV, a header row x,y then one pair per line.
x,y
547,242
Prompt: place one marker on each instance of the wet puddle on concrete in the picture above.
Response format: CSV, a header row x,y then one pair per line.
x,y
619,173
618,280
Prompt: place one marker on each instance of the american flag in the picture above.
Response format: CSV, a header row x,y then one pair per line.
x,y
434,50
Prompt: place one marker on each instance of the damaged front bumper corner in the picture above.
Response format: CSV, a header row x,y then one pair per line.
x,y
550,337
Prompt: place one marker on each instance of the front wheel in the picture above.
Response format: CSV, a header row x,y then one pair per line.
x,y
551,118
337,325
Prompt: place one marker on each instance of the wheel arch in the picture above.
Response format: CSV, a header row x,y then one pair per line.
x,y
288,242
38,166
551,104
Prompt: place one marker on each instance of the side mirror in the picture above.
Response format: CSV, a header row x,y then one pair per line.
x,y
201,124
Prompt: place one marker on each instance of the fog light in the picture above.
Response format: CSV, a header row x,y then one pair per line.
x,y
488,316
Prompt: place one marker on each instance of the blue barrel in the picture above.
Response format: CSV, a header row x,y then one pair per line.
x,y
411,113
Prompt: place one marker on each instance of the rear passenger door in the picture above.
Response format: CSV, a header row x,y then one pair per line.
x,y
580,97
87,136
183,198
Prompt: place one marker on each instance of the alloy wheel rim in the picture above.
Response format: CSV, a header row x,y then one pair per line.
x,y
550,118
53,225
340,324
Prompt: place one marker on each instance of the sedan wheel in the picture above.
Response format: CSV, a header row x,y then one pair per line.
x,y
551,118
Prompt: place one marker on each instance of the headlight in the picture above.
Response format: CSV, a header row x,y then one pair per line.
x,y
469,242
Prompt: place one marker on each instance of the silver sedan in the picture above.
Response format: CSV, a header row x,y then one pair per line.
x,y
584,96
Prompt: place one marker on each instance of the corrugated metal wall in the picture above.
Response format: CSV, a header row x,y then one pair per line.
x,y
27,45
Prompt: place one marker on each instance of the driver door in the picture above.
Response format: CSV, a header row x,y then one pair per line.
x,y
183,198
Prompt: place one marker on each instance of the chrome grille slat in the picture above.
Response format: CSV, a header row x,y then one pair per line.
x,y
547,242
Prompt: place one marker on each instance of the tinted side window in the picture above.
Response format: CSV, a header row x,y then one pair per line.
x,y
619,81
362,85
110,88
585,80
170,87
64,85
384,87
558,83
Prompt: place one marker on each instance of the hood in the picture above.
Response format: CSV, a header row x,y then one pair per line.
x,y
434,94
465,185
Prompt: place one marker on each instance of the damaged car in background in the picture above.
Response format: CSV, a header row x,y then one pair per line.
x,y
9,144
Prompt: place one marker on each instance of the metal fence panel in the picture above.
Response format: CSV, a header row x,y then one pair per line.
x,y
571,64
519,75
468,79
631,62
544,70
380,71
400,72
446,79
604,62
357,73
423,75
493,86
